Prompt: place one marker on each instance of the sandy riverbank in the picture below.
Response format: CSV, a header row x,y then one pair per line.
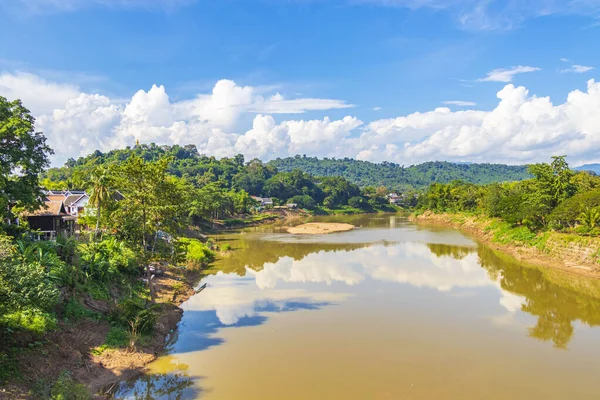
x,y
319,228
567,252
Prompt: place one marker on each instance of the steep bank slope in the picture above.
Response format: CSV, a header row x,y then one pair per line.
x,y
573,253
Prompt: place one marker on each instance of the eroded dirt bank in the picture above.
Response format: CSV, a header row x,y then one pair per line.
x,y
74,347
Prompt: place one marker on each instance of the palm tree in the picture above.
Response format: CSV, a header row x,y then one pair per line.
x,y
590,217
101,191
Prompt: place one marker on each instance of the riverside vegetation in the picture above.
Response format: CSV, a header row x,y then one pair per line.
x,y
91,298
557,212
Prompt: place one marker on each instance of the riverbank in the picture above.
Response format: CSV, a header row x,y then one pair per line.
x,y
86,348
567,252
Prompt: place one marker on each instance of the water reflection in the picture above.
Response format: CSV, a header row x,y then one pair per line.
x,y
167,379
414,281
555,298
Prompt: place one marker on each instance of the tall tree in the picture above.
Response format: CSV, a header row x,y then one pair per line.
x,y
101,191
23,156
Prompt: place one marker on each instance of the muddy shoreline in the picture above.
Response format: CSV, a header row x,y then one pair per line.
x,y
564,256
73,347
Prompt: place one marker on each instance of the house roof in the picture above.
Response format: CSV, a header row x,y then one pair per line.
x,y
49,209
74,198
54,197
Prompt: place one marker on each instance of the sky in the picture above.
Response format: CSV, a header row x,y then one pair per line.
x,y
405,81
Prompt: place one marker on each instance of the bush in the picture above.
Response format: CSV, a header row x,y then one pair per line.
x,y
32,320
197,254
358,202
66,388
567,213
303,201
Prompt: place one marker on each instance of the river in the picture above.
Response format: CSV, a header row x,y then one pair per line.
x,y
390,310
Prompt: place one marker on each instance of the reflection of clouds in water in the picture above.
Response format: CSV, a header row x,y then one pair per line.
x,y
315,267
411,263
233,297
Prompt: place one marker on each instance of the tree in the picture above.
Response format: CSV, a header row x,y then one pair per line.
x,y
590,217
101,191
23,156
153,201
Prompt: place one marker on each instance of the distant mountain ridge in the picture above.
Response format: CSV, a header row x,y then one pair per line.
x,y
589,167
395,176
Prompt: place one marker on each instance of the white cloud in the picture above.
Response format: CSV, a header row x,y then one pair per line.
x,y
507,74
460,103
37,94
521,128
376,108
576,69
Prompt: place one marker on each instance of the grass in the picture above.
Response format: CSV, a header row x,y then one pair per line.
x,y
75,311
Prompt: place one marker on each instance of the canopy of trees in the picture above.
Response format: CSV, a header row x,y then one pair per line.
x,y
555,198
397,177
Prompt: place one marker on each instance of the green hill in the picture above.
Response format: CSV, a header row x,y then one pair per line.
x,y
395,176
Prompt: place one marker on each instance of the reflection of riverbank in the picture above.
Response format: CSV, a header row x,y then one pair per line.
x,y
568,252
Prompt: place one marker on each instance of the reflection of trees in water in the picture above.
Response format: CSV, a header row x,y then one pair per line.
x,y
256,253
555,306
172,382
456,252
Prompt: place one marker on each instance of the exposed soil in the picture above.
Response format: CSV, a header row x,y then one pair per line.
x,y
319,228
580,264
69,348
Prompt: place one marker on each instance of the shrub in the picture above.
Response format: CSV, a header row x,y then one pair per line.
x,y
358,202
32,320
567,213
303,201
66,388
197,254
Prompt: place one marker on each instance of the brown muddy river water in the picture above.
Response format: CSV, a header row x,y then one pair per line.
x,y
390,310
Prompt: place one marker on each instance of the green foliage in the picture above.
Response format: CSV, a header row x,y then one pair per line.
x,y
197,254
567,213
32,320
116,337
556,198
75,311
590,217
23,156
66,388
303,201
397,177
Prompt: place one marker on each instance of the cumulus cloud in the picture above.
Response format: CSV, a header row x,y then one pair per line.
x,y
37,94
460,103
521,128
506,75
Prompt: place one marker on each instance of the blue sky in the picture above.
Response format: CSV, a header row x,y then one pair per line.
x,y
375,61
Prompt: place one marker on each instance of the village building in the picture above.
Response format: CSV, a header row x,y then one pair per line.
x,y
50,220
266,202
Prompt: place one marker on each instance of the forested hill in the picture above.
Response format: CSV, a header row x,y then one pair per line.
x,y
395,176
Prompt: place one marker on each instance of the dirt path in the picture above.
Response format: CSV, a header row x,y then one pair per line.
x,y
319,228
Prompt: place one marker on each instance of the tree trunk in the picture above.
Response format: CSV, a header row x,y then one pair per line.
x,y
147,261
98,219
